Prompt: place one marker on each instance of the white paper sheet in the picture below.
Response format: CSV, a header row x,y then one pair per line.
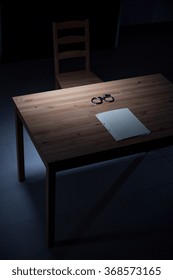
x,y
122,124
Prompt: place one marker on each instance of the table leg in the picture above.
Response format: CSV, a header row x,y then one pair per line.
x,y
20,148
50,197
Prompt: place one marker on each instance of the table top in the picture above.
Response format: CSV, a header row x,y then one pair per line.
x,y
65,130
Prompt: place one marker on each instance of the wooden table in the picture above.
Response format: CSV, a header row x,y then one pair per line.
x,y
66,133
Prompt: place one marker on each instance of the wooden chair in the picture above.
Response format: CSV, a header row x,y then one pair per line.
x,y
72,54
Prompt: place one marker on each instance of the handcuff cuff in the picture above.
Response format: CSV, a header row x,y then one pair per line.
x,y
99,100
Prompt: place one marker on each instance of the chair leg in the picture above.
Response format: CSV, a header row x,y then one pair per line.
x,y
57,85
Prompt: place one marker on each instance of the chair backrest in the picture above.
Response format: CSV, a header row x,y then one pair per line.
x,y
71,41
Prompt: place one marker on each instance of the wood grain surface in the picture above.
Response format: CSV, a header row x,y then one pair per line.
x,y
63,126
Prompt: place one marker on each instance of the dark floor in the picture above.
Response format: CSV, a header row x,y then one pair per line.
x,y
137,222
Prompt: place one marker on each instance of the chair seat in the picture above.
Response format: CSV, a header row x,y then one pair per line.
x,y
77,78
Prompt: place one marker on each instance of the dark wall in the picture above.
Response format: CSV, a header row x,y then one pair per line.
x,y
27,29
146,11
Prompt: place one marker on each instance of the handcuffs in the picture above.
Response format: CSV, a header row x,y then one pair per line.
x,y
99,100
